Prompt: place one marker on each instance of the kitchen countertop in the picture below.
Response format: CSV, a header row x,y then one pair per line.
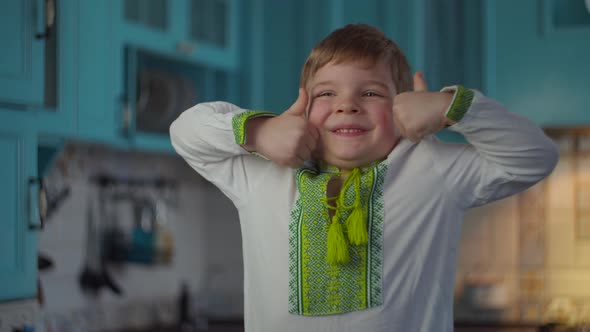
x,y
214,326
236,325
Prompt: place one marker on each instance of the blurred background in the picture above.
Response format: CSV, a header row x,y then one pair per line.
x,y
104,228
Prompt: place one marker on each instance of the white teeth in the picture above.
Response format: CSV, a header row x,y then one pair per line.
x,y
348,131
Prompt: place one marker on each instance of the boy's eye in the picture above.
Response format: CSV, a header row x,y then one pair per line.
x,y
326,94
371,94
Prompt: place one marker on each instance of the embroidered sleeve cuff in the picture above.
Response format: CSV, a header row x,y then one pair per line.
x,y
461,102
239,123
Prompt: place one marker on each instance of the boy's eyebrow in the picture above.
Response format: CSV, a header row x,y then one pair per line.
x,y
322,83
381,84
331,82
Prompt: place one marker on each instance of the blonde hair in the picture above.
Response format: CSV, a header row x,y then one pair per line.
x,y
359,42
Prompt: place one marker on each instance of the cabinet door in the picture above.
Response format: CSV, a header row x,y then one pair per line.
x,y
146,19
18,244
21,59
538,66
212,25
201,30
38,65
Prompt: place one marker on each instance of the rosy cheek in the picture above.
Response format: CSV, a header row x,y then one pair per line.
x,y
380,114
318,112
385,119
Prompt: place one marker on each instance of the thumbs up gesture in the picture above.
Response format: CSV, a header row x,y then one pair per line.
x,y
421,113
288,139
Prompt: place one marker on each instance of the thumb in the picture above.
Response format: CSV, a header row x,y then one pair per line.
x,y
300,105
420,84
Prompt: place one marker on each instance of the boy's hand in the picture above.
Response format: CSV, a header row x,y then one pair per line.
x,y
420,113
287,139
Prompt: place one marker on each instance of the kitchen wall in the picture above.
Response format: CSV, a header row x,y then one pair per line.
x,y
207,246
527,257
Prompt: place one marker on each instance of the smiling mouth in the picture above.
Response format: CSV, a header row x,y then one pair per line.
x,y
349,131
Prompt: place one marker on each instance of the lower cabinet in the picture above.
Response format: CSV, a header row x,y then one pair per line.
x,y
19,223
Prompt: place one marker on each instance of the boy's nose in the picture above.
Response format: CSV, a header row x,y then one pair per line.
x,y
347,107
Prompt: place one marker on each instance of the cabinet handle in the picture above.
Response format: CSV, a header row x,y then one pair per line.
x,y
126,119
36,212
49,17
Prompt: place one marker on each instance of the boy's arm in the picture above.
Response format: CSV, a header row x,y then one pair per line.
x,y
507,152
208,137
216,139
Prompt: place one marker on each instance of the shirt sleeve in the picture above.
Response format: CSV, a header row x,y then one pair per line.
x,y
209,137
506,153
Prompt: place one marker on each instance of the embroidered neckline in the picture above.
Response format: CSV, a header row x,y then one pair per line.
x,y
323,167
316,286
355,225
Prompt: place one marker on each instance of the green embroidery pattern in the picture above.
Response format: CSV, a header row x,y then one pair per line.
x,y
239,123
460,104
315,286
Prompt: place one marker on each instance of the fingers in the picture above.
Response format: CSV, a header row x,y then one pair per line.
x,y
302,150
310,144
414,135
313,132
304,153
420,84
300,135
399,124
298,108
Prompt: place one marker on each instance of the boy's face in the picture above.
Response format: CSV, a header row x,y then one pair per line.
x,y
352,109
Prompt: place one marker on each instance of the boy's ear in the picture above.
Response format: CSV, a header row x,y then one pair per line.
x,y
420,84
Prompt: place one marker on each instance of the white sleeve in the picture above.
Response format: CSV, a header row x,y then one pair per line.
x,y
208,137
506,154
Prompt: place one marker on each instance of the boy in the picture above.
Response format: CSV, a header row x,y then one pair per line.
x,y
366,239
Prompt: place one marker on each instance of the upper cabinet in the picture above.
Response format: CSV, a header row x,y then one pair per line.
x,y
201,30
22,36
37,70
20,219
538,66
141,63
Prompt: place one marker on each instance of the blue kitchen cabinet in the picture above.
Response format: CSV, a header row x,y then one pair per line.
x,y
37,71
159,87
538,64
196,40
99,109
20,218
38,78
21,64
201,30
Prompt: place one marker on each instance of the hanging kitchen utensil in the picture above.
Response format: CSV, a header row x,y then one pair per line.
x,y
91,279
94,275
114,241
164,238
143,234
107,279
44,262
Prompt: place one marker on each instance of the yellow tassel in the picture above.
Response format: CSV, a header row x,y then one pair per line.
x,y
337,246
356,225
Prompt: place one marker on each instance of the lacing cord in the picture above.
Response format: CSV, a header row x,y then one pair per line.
x,y
356,223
